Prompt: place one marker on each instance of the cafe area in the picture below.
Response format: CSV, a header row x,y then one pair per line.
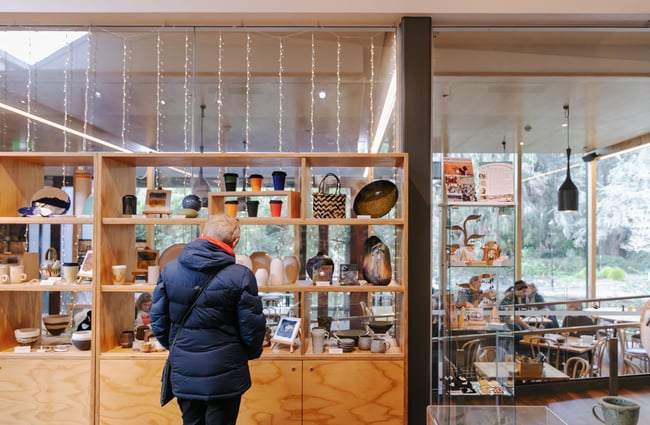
x,y
491,353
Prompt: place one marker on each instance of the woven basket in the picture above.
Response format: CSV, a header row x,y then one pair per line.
x,y
329,205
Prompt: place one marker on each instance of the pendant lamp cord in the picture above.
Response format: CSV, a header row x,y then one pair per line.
x,y
202,117
568,136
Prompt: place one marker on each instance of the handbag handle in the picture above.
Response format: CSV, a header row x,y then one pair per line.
x,y
321,185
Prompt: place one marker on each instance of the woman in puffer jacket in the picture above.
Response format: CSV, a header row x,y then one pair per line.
x,y
209,358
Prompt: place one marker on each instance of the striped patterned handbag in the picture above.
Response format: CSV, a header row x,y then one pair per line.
x,y
329,205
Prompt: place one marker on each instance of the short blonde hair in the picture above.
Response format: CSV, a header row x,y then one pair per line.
x,y
222,227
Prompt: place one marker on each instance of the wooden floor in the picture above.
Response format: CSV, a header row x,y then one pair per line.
x,y
575,407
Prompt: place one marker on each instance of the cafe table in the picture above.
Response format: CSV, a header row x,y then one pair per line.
x,y
507,370
488,415
569,344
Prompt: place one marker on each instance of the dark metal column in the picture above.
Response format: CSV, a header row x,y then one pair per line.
x,y
415,84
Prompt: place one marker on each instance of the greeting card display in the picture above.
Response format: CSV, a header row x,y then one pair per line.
x,y
459,179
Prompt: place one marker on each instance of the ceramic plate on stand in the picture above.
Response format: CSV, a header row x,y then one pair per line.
x,y
170,253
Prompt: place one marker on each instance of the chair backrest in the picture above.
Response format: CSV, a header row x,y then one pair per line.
x,y
627,342
599,350
470,348
631,368
577,367
491,353
547,346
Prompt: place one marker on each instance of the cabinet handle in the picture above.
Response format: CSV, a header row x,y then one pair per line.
x,y
311,369
293,369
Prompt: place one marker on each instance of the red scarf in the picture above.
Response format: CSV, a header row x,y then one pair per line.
x,y
220,244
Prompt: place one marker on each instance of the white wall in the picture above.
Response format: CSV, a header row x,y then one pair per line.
x,y
312,12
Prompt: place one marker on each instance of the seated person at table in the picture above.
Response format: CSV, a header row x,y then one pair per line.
x,y
581,320
512,298
534,297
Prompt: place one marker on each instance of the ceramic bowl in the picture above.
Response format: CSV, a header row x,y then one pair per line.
x,y
56,324
380,327
27,335
376,198
81,340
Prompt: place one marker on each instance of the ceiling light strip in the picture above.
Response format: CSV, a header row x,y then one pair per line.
x,y
62,127
386,112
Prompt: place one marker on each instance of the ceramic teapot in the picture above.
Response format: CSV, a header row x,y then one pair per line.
x,y
51,267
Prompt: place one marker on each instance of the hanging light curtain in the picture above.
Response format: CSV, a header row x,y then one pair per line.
x,y
200,186
567,195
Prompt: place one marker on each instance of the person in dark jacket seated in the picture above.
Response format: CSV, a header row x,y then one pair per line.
x,y
226,328
581,320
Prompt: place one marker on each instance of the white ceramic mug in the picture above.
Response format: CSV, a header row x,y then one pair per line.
x,y
119,274
16,274
152,274
69,272
379,345
318,337
364,342
616,411
4,273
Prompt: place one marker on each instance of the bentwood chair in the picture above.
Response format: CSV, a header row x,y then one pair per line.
x,y
577,367
632,350
546,346
491,353
597,358
469,350
631,368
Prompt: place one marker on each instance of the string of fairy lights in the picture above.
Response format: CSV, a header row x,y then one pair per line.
x,y
280,93
126,60
30,143
312,92
247,139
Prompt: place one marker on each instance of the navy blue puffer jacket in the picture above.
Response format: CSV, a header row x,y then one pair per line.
x,y
209,359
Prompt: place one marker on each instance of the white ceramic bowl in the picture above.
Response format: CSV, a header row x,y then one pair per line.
x,y
27,335
81,340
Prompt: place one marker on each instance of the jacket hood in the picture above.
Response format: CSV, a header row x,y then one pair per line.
x,y
202,255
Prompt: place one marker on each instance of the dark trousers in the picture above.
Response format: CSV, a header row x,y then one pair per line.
x,y
214,412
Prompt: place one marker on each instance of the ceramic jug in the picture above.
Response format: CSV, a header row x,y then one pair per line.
x,y
318,337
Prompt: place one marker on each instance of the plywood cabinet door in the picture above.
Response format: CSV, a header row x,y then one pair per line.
x,y
353,392
129,393
45,390
276,395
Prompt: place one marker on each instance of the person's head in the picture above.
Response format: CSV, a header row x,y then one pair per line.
x,y
574,306
144,302
509,293
520,288
475,283
531,289
223,228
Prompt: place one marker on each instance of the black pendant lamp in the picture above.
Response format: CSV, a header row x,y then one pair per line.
x,y
567,195
200,186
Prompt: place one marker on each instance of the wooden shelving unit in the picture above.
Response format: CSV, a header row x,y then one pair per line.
x,y
111,385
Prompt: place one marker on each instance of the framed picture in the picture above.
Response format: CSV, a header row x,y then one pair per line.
x,y
349,274
287,331
158,202
86,269
146,257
